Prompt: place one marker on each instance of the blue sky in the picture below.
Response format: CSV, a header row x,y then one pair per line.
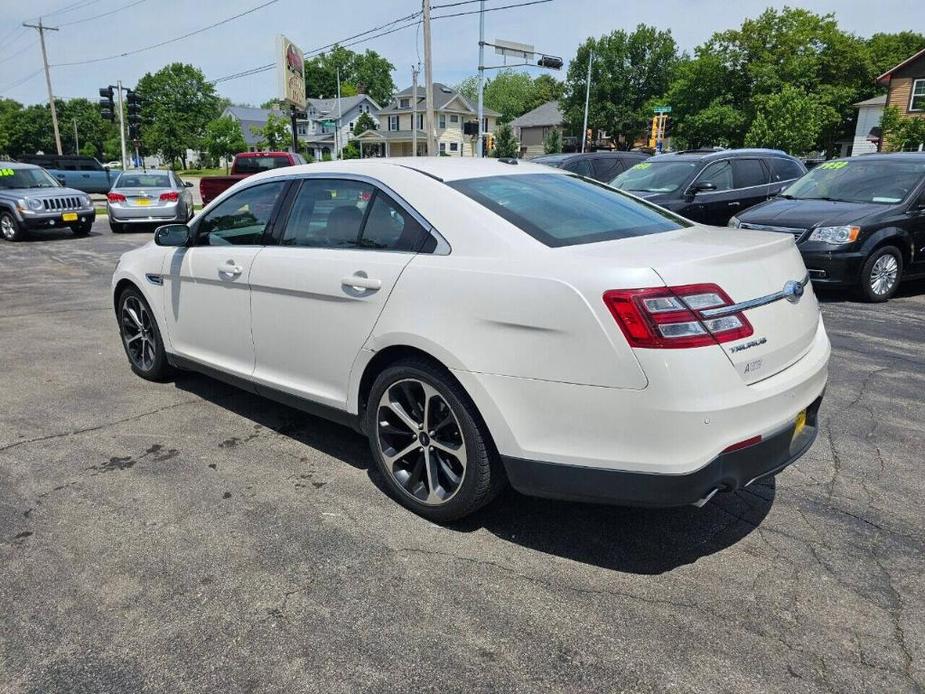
x,y
557,27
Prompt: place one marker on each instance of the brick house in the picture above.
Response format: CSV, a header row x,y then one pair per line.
x,y
905,85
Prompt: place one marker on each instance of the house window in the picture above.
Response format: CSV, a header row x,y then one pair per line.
x,y
454,118
405,103
393,122
454,146
350,125
485,125
442,120
420,121
917,102
443,148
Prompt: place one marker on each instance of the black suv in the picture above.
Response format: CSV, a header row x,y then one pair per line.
x,y
858,222
601,166
711,185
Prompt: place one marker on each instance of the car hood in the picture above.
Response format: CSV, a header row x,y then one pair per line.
x,y
805,214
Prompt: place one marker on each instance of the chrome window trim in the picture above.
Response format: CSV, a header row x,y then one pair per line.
x,y
754,303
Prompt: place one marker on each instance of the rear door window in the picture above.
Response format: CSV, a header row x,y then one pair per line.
x,y
748,172
560,210
580,166
784,169
606,168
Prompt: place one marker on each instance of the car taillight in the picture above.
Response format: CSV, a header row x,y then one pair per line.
x,y
170,195
115,197
670,317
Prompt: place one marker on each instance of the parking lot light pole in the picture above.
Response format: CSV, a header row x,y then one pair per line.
x,y
584,129
481,140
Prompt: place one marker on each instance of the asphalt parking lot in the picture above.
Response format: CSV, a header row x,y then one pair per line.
x,y
190,537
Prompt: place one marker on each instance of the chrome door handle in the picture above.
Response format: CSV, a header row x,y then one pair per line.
x,y
361,282
734,204
230,268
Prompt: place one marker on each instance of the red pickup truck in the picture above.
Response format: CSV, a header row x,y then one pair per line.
x,y
244,165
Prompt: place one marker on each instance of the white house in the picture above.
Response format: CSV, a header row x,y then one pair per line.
x,y
867,130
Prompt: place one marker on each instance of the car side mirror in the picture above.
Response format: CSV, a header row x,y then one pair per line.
x,y
172,235
187,184
105,168
703,187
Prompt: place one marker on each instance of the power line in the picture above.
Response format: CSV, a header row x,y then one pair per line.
x,y
21,81
18,53
104,14
168,41
70,8
492,9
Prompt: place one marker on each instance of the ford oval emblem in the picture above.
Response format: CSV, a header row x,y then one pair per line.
x,y
793,291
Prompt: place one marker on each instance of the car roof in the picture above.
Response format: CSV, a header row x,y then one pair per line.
x,y
440,168
711,154
606,154
886,156
17,165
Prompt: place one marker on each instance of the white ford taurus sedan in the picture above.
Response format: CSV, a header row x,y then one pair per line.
x,y
487,322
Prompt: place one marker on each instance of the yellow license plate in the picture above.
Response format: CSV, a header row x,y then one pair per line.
x,y
800,424
69,217
142,202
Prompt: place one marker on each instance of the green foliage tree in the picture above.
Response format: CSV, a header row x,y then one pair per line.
x,y
363,123
223,138
350,151
628,71
506,145
552,143
790,120
889,50
360,73
91,128
9,109
275,134
178,103
901,133
511,93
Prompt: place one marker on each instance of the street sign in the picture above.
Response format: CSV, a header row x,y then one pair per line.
x,y
513,49
662,109
290,67
328,123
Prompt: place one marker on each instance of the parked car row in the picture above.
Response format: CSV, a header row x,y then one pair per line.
x,y
859,222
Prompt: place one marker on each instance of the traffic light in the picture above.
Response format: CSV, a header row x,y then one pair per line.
x,y
489,143
589,137
550,61
653,136
666,133
107,108
133,112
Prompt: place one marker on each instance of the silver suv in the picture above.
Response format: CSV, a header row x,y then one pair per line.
x,y
30,198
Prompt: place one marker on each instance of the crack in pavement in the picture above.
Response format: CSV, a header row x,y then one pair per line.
x,y
76,432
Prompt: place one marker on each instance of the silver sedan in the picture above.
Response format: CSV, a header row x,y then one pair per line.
x,y
148,199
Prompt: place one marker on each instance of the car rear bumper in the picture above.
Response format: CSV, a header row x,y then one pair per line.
x,y
726,472
147,215
834,268
56,221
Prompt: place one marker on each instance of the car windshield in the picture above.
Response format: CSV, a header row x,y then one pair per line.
x,y
880,181
26,178
143,180
655,176
563,210
255,164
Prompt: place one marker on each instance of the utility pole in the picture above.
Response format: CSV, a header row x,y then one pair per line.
x,y
122,124
51,98
414,111
428,85
76,139
584,130
481,147
339,114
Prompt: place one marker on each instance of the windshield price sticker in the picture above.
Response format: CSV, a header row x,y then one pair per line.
x,y
834,165
644,165
7,172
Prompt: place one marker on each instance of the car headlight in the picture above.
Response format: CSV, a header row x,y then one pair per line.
x,y
85,201
835,235
34,204
734,222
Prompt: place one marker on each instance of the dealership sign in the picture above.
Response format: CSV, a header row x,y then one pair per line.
x,y
291,70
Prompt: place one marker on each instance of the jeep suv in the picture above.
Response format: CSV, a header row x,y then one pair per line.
x,y
711,185
30,198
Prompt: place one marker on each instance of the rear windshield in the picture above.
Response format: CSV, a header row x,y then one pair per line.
x,y
560,210
881,181
143,180
655,176
255,164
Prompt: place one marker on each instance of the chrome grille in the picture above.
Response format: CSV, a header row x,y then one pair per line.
x,y
64,203
796,231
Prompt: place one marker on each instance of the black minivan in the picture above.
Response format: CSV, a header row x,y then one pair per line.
x,y
711,185
858,222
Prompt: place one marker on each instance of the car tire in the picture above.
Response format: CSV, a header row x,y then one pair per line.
x,y
141,337
82,229
116,228
450,471
881,274
9,227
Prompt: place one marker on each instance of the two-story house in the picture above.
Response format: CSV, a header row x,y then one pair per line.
x,y
452,111
905,85
317,129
